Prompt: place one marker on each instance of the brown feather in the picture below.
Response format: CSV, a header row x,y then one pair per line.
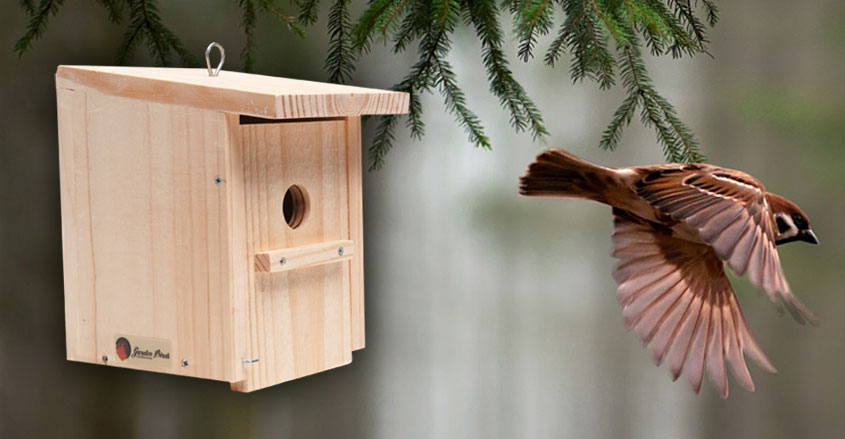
x,y
680,303
675,227
557,173
732,212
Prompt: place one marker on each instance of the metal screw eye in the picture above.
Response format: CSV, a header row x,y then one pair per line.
x,y
215,71
340,251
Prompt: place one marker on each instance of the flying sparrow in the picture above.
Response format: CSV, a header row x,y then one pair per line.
x,y
675,226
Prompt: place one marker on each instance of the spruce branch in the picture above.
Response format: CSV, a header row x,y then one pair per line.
x,y
249,18
679,145
621,118
28,6
512,6
696,28
712,12
416,82
114,8
413,26
384,138
524,114
685,139
434,70
309,10
38,18
385,134
250,11
557,47
603,41
533,18
340,60
127,45
587,41
378,20
456,104
145,25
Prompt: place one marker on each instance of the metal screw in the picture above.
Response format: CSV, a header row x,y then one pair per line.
x,y
250,361
217,180
282,261
184,363
105,359
340,251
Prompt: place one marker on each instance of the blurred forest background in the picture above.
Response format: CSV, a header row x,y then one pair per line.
x,y
488,315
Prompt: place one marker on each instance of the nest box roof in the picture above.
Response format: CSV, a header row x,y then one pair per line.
x,y
234,92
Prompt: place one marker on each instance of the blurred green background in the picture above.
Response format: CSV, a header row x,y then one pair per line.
x,y
488,315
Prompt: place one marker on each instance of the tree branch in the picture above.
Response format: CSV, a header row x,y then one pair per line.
x,y
586,30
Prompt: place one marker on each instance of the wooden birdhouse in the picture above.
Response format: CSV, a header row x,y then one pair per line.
x,y
212,225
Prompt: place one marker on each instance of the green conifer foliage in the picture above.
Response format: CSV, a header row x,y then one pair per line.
x,y
604,41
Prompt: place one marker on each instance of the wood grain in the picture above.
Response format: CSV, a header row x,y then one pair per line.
x,y
145,233
299,319
235,92
303,256
239,254
356,230
172,204
77,243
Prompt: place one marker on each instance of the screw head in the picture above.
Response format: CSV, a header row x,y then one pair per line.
x,y
340,251
105,359
184,363
282,261
218,180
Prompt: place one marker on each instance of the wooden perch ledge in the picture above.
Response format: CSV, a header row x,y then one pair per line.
x,y
304,256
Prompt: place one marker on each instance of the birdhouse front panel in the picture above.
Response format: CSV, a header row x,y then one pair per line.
x,y
294,177
212,227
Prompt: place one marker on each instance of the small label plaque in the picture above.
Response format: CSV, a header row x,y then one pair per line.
x,y
144,352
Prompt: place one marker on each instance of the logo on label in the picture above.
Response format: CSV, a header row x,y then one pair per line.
x,y
143,352
123,348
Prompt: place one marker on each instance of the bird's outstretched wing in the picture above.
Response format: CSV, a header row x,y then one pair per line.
x,y
729,211
680,303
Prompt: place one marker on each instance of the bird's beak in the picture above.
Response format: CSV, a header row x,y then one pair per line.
x,y
808,236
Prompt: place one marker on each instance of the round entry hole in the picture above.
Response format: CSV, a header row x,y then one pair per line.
x,y
295,206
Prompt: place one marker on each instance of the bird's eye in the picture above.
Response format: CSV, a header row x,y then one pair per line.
x,y
799,222
783,227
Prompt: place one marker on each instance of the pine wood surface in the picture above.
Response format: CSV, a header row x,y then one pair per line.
x,y
235,92
292,258
144,230
299,319
170,212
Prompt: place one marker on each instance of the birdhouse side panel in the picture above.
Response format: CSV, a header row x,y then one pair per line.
x,y
299,314
77,245
145,235
356,231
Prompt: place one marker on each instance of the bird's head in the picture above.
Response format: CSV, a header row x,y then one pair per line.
x,y
792,224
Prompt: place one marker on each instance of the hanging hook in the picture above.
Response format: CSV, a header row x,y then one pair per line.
x,y
216,70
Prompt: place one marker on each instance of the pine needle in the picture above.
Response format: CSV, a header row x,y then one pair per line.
x,y
587,34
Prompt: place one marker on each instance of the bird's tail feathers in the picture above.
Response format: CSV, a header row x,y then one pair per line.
x,y
557,173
